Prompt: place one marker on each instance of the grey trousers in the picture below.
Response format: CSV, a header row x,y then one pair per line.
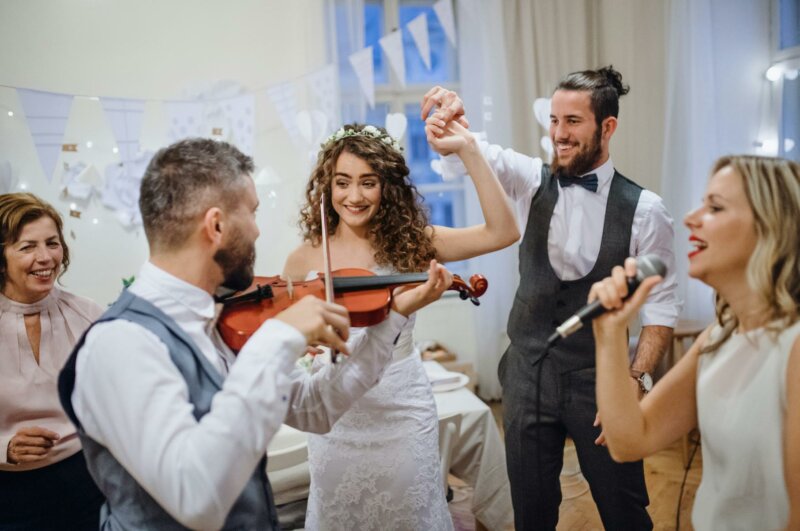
x,y
534,450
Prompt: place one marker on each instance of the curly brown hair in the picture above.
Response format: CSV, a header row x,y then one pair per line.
x,y
398,230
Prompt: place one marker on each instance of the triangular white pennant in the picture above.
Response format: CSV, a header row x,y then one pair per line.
x,y
46,114
325,92
185,119
361,62
240,116
419,31
284,98
126,118
392,44
444,12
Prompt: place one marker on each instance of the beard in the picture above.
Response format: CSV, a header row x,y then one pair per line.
x,y
583,161
237,261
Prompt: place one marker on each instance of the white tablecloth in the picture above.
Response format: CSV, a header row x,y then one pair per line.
x,y
478,459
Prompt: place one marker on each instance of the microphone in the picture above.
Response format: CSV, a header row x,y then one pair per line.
x,y
647,265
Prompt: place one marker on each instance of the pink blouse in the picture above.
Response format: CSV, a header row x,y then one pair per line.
x,y
29,391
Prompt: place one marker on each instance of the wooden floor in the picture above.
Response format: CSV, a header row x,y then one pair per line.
x,y
664,473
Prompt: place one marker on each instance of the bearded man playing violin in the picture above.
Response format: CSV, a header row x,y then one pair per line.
x,y
175,429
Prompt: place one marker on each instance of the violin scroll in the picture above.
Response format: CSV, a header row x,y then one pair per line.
x,y
477,286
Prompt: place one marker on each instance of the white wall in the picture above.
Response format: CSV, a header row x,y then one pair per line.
x,y
154,50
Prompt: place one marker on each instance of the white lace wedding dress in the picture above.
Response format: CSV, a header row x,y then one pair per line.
x,y
378,468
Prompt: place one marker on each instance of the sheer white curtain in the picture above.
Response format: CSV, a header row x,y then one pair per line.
x,y
485,91
718,102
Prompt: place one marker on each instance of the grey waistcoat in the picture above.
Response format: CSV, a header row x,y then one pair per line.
x,y
543,301
128,506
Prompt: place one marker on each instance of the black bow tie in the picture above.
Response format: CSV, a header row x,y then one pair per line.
x,y
587,181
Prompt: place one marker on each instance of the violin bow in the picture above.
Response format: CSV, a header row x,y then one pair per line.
x,y
326,252
326,262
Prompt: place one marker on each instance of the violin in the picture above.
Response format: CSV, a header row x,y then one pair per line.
x,y
366,296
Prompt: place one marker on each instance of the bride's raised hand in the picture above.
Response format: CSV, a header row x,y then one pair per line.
x,y
448,137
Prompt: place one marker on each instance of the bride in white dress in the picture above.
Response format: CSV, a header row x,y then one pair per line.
x,y
378,468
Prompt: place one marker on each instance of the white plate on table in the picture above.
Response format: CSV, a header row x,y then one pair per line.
x,y
463,380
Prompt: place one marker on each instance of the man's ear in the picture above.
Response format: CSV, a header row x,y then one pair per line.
x,y
214,224
609,126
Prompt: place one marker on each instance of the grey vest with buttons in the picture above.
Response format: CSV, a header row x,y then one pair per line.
x,y
128,506
543,301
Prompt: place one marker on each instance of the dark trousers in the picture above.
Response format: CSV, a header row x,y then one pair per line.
x,y
61,496
534,450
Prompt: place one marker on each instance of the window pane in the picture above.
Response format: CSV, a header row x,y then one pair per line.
x,y
441,207
418,153
790,23
443,60
373,31
444,199
377,116
790,136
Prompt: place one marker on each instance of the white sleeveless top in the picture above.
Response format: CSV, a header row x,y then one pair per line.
x,y
741,405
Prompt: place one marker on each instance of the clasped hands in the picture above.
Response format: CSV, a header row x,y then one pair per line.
x,y
447,128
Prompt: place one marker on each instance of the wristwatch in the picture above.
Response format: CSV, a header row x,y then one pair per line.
x,y
644,379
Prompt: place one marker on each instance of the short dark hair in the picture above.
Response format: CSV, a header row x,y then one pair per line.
x,y
183,181
16,211
606,87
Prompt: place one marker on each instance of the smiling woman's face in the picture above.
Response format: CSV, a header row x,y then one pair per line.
x,y
33,262
723,231
355,191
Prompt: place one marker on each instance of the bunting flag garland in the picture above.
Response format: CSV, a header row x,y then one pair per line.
x,y
185,119
324,88
47,115
444,12
121,190
125,117
284,98
240,122
229,116
392,45
418,28
361,61
80,181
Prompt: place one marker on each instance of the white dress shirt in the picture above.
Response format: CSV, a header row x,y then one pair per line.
x,y
131,398
576,228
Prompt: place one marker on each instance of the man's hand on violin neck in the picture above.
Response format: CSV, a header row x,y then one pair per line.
x,y
322,323
408,300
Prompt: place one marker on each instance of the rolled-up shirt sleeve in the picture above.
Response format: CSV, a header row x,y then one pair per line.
x,y
653,233
519,175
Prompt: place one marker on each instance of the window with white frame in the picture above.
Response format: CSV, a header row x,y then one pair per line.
x,y
443,199
785,70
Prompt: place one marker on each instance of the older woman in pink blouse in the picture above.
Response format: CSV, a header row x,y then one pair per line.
x,y
44,483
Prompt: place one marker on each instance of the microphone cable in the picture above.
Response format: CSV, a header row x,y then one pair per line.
x,y
539,421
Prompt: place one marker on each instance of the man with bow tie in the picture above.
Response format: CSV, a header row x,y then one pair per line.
x,y
581,218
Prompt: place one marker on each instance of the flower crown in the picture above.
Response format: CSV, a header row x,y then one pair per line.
x,y
369,131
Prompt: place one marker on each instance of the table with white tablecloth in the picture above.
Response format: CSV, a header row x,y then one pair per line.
x,y
478,459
